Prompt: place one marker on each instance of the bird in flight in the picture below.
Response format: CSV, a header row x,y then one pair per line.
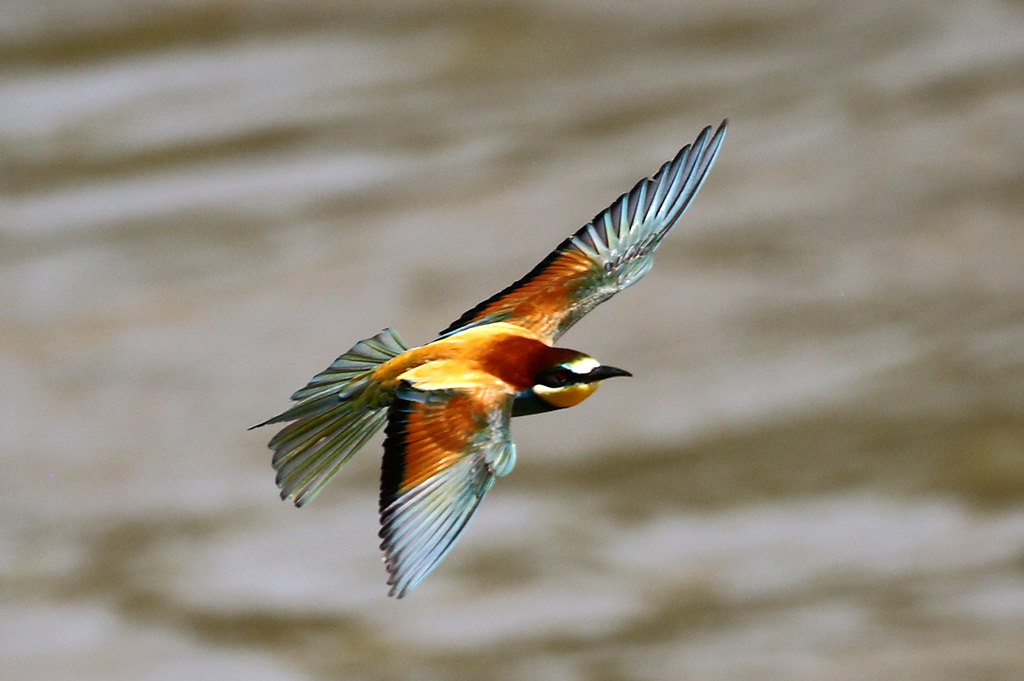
x,y
447,404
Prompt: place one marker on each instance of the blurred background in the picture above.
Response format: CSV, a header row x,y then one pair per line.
x,y
816,473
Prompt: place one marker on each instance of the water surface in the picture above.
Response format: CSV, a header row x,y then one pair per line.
x,y
816,473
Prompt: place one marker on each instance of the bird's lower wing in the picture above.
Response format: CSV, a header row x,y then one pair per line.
x,y
604,256
443,451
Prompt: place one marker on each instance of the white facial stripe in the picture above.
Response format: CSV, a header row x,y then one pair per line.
x,y
583,365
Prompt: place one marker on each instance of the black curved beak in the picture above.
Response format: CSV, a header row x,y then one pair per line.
x,y
604,371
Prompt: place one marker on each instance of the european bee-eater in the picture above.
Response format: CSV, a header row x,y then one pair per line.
x,y
447,404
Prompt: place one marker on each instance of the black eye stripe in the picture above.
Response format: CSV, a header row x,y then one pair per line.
x,y
557,377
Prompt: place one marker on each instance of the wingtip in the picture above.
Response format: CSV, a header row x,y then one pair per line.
x,y
396,587
258,425
720,132
297,500
707,146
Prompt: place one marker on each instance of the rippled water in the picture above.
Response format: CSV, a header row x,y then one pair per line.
x,y
816,473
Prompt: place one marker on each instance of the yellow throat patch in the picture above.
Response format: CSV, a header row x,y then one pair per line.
x,y
567,396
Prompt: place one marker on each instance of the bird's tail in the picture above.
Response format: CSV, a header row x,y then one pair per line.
x,y
336,413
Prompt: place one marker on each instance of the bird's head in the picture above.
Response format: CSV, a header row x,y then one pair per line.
x,y
565,383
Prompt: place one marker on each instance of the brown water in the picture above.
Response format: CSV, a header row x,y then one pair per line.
x,y
816,473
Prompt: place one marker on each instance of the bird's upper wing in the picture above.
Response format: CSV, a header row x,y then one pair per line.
x,y
605,256
444,448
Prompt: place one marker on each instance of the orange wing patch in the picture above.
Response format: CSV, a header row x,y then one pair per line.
x,y
444,410
542,299
436,438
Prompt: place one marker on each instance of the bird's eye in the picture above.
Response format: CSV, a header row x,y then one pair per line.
x,y
557,377
562,376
